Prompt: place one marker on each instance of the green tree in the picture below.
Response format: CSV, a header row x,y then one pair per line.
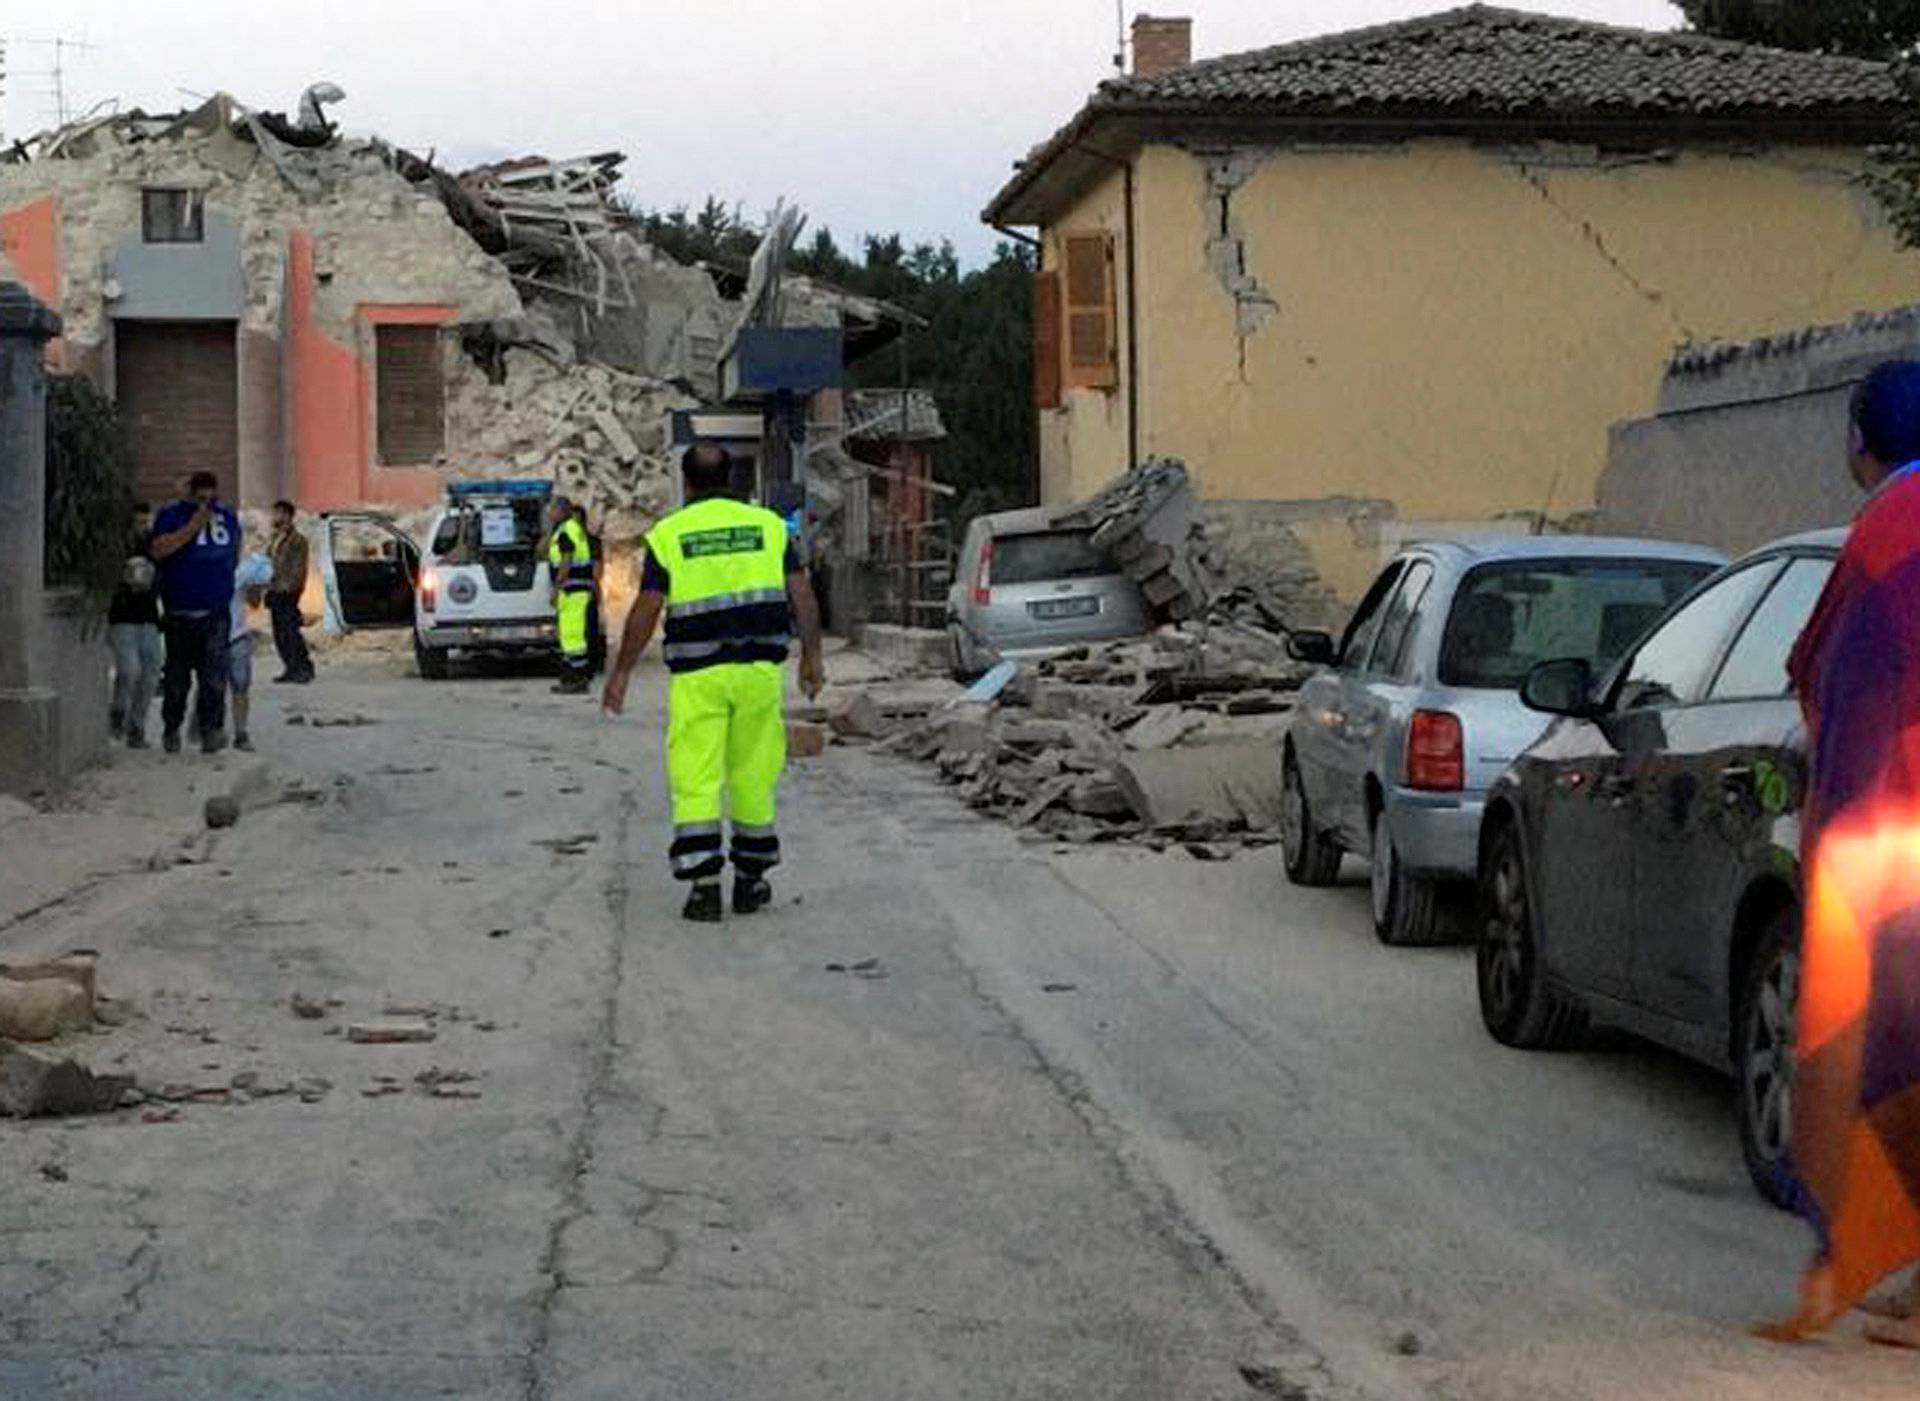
x,y
89,489
1864,28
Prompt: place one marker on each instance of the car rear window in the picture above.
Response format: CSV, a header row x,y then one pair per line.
x,y
1509,617
1051,554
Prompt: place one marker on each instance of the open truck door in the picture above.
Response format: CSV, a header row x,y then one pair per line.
x,y
369,571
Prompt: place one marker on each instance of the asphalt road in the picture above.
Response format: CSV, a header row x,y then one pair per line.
x,y
1095,1123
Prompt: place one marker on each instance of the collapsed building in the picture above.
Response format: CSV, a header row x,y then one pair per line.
x,y
345,323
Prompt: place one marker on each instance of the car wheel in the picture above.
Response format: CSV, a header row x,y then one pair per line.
x,y
1517,1003
431,661
957,657
1406,908
1763,1054
1312,857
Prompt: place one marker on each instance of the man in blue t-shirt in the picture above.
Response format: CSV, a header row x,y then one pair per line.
x,y
196,544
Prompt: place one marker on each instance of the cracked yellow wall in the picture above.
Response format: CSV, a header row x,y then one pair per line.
x,y
1455,330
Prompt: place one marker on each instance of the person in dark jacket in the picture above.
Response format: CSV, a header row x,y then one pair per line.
x,y
133,629
288,550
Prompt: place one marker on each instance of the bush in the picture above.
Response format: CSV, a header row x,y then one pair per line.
x,y
90,494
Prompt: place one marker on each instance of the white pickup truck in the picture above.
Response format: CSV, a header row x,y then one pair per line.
x,y
477,587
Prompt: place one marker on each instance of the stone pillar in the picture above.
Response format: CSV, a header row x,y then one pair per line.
x,y
27,730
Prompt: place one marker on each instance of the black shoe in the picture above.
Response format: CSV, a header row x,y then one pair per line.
x,y
305,678
170,741
283,678
136,739
242,742
751,894
213,743
703,904
572,688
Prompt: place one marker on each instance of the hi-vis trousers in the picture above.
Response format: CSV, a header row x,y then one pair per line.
x,y
570,624
726,731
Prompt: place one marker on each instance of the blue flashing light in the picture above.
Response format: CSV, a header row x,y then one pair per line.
x,y
529,486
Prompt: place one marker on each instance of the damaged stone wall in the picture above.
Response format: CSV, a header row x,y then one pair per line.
x,y
377,239
1253,304
600,434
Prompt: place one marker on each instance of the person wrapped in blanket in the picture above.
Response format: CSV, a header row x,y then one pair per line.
x,y
1855,1144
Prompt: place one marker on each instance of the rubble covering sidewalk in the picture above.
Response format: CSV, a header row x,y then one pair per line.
x,y
1168,740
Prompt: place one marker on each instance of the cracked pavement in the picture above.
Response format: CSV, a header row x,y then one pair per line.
x,y
1094,1123
699,1164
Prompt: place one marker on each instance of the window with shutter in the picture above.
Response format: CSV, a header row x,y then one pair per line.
x,y
409,398
1046,340
1092,358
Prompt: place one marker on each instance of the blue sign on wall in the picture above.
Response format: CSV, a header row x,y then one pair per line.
x,y
798,359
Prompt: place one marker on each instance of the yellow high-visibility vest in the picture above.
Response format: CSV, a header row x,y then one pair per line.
x,y
727,584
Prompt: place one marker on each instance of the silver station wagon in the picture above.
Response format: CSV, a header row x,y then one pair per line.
x,y
1391,748
1028,588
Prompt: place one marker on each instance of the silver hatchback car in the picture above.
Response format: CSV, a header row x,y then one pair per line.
x,y
1027,587
1391,749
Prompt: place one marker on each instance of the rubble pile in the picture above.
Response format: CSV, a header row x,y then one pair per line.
x,y
1168,740
601,434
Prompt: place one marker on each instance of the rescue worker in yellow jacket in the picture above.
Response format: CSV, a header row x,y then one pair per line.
x,y
732,590
570,563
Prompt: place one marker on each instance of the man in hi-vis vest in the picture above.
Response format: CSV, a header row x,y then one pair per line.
x,y
732,590
570,563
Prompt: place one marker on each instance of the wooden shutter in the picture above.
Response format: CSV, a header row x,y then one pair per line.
x,y
409,398
1092,359
1046,340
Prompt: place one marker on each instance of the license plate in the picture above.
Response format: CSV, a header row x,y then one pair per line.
x,y
1065,608
532,634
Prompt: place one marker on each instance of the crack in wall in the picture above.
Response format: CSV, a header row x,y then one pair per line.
x,y
1597,241
580,1144
1253,304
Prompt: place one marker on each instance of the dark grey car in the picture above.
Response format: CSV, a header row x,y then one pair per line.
x,y
1639,864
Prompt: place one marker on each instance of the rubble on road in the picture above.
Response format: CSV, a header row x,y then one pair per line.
x,y
392,1031
32,1085
1165,740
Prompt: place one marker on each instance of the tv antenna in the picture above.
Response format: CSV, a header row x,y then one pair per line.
x,y
1120,37
61,47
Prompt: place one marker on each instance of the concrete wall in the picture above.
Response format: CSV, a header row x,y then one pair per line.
x,y
1447,329
1749,442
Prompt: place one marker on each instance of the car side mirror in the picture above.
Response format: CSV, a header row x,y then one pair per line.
x,y
1311,646
1563,687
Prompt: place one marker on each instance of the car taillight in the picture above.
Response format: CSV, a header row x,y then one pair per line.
x,y
982,590
429,590
1436,752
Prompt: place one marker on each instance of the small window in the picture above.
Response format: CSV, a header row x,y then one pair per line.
x,y
1365,626
1393,653
173,216
1673,667
1756,667
410,399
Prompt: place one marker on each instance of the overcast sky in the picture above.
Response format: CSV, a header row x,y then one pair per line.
x,y
874,115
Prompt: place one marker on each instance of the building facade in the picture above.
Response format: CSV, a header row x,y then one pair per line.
x,y
281,317
1405,279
